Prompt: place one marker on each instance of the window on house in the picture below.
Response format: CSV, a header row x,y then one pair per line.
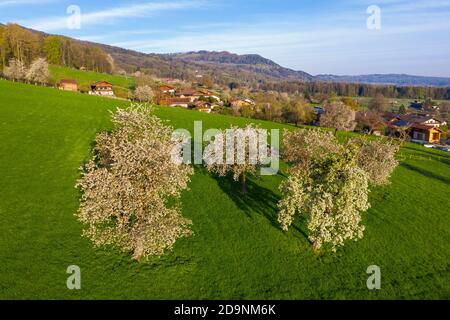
x,y
419,136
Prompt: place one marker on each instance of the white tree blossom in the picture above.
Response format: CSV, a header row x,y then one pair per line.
x,y
15,70
329,183
239,152
331,195
126,188
338,116
38,71
144,94
377,158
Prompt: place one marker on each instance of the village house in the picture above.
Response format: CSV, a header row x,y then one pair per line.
x,y
209,94
425,134
242,102
176,102
187,94
102,88
68,85
167,89
318,110
204,106
423,119
421,128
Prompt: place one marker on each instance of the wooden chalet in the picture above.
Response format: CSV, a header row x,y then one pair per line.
x,y
67,85
102,88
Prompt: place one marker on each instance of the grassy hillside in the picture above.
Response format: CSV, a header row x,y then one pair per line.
x,y
238,250
85,78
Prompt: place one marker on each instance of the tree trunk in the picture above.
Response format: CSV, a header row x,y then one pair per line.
x,y
138,250
316,247
243,184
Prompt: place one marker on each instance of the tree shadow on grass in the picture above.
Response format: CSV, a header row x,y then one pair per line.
x,y
443,158
257,200
426,173
300,226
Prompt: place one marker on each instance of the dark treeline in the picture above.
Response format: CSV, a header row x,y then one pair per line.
x,y
358,90
19,43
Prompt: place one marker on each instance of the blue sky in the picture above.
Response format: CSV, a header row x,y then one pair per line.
x,y
316,36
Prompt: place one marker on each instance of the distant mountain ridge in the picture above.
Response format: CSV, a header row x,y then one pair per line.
x,y
248,62
392,79
224,57
259,64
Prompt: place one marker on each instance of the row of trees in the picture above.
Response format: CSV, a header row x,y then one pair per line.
x,y
328,182
339,113
280,107
312,89
26,46
37,73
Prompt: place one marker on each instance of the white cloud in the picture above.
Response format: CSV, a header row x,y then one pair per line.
x,y
109,15
11,3
320,47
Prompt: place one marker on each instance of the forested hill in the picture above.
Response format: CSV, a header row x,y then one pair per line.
x,y
224,67
224,57
248,62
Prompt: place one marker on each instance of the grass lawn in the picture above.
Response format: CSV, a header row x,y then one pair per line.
x,y
238,250
121,84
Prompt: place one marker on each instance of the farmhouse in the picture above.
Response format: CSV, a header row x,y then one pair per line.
x,y
419,133
167,89
102,88
176,102
67,85
208,94
423,119
424,134
190,94
204,106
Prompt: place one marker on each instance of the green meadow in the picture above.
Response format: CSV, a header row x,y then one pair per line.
x,y
121,84
238,250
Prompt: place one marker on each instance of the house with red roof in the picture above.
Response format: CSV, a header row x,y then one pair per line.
x,y
102,88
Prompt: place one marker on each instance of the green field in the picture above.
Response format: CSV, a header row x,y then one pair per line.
x,y
396,103
238,250
121,84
